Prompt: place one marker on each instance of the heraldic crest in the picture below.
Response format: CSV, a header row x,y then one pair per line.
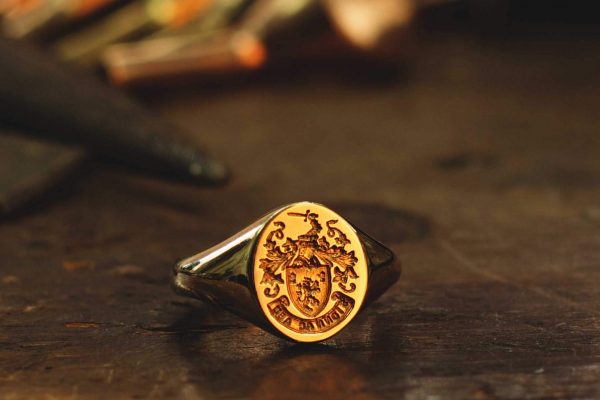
x,y
310,277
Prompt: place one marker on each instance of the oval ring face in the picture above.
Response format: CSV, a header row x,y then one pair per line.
x,y
310,272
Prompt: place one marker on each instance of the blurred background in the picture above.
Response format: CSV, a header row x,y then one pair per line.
x,y
70,69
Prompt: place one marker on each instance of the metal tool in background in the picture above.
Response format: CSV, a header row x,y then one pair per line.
x,y
41,96
134,21
160,45
269,28
266,25
218,15
40,18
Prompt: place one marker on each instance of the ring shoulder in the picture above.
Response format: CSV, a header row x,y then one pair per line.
x,y
384,268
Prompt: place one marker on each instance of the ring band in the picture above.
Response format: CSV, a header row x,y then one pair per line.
x,y
301,272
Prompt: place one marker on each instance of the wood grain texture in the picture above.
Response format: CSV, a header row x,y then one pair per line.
x,y
479,167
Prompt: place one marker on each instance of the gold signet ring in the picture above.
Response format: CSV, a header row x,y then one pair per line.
x,y
301,272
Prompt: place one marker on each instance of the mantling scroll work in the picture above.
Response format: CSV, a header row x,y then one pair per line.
x,y
310,277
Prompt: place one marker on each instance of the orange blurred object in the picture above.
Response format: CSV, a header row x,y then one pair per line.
x,y
130,22
375,27
26,18
11,8
83,8
142,62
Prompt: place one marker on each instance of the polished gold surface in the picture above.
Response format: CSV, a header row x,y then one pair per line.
x,y
301,272
310,272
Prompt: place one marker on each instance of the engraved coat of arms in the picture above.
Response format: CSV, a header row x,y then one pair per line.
x,y
313,267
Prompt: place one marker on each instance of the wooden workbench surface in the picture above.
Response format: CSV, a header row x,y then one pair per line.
x,y
479,165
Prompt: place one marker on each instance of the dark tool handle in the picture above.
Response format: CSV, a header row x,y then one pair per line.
x,y
43,96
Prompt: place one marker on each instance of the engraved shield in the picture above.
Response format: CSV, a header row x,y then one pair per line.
x,y
309,288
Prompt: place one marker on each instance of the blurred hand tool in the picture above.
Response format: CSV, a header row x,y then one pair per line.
x,y
161,45
218,15
131,22
30,167
244,46
37,18
42,96
269,27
